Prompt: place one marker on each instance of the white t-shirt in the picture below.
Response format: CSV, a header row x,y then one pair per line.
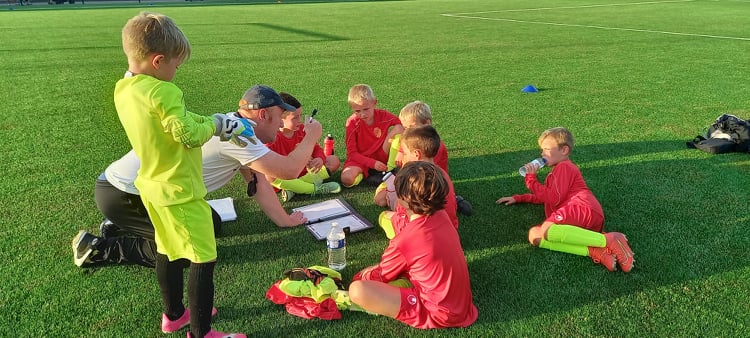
x,y
122,173
221,160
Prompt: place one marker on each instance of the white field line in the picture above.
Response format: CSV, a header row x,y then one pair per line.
x,y
471,16
572,7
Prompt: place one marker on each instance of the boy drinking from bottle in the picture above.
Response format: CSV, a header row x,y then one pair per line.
x,y
574,218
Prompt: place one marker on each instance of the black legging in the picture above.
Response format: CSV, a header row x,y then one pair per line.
x,y
135,240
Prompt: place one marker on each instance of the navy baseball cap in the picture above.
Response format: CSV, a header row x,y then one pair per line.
x,y
260,96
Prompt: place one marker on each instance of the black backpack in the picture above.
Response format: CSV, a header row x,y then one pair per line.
x,y
728,133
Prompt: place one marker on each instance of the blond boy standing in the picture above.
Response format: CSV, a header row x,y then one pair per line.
x,y
168,138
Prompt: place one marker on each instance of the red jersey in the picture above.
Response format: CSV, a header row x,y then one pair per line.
x,y
440,159
364,144
564,186
284,145
398,220
428,253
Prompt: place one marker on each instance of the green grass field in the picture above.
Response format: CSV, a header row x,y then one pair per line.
x,y
633,80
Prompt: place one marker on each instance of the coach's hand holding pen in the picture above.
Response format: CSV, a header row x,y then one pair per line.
x,y
315,112
313,128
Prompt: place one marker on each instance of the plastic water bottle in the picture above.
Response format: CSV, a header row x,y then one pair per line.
x,y
336,242
539,162
328,145
390,189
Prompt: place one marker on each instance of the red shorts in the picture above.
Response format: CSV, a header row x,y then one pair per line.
x,y
580,216
412,312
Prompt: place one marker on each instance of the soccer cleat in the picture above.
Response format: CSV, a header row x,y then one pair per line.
x,y
286,195
604,257
217,334
84,245
617,244
374,179
327,188
169,326
108,229
463,206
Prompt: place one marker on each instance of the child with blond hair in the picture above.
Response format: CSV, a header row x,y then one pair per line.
x,y
167,138
414,114
574,218
428,252
369,133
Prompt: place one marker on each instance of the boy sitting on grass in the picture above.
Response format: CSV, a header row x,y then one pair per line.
x,y
369,133
418,144
428,252
575,218
318,169
414,114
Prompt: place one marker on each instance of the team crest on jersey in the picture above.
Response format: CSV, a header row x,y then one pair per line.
x,y
377,132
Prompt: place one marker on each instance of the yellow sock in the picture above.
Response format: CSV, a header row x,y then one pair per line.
x,y
296,185
320,176
570,234
309,177
579,250
385,222
401,283
357,180
393,152
381,187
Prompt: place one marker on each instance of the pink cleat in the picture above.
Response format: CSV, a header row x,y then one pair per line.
x,y
604,257
217,334
169,326
617,244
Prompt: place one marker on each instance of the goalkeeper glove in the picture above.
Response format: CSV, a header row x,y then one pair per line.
x,y
227,126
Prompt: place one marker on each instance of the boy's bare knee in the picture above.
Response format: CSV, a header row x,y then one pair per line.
x,y
535,235
346,176
333,163
535,241
355,291
349,175
380,199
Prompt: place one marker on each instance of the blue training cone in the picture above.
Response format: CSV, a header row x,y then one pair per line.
x,y
529,89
